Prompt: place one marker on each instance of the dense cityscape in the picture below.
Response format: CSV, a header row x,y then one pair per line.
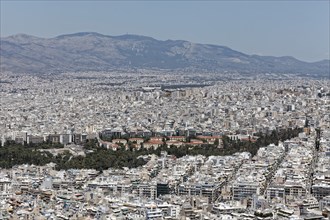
x,y
164,145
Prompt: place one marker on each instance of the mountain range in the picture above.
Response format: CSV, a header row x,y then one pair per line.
x,y
89,51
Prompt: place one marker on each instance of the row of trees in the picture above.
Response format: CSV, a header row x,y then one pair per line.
x,y
100,158
14,154
43,145
274,137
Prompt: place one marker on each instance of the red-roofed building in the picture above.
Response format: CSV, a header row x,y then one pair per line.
x,y
156,139
152,143
177,138
208,139
174,143
109,145
119,141
136,140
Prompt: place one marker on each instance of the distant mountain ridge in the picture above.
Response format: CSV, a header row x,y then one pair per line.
x,y
90,51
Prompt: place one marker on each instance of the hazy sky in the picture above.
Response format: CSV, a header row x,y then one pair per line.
x,y
279,28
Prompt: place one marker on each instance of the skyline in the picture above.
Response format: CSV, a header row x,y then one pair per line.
x,y
286,28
